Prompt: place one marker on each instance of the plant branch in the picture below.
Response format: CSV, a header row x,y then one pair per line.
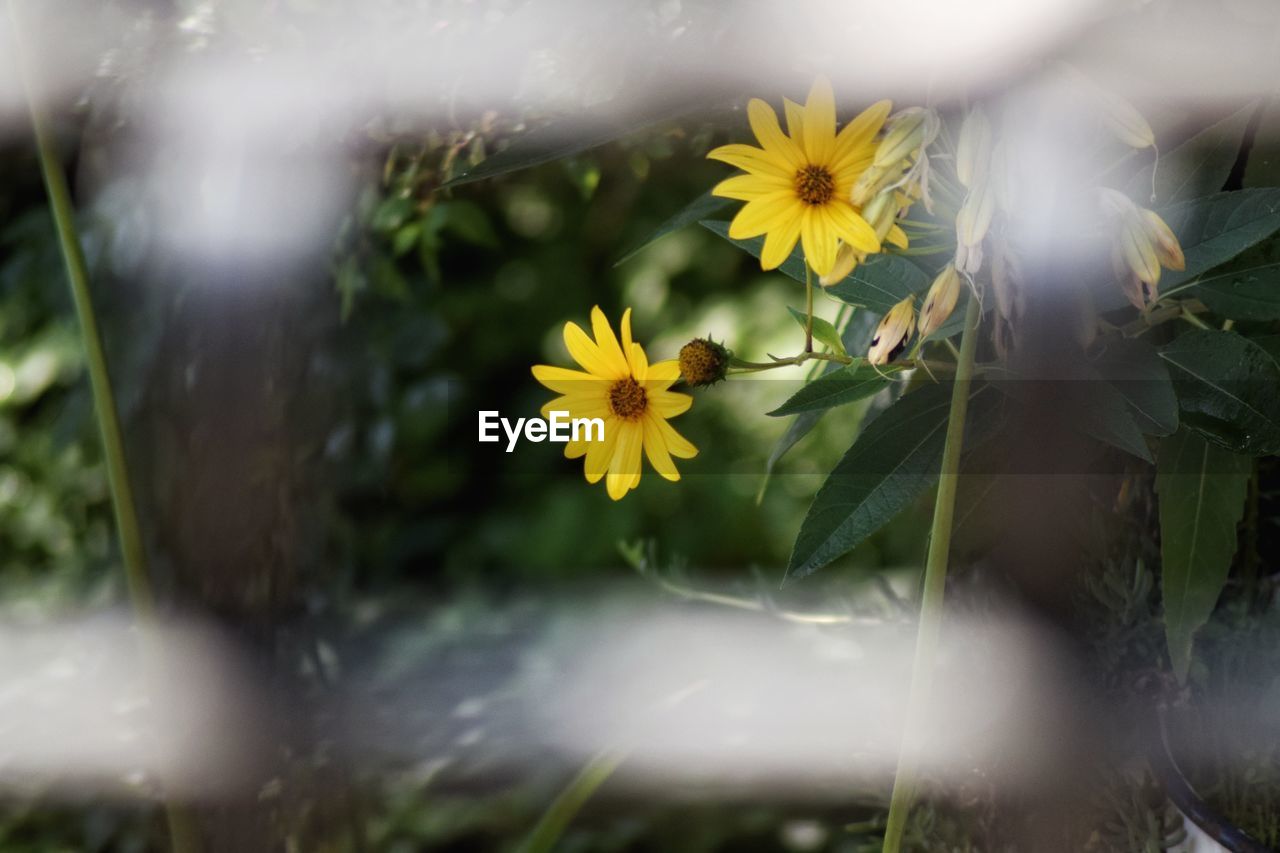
x,y
182,832
935,578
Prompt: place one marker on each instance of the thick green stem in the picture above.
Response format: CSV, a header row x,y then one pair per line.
x,y
182,832
935,579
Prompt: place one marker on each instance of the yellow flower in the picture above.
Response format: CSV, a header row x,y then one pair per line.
x,y
628,394
798,184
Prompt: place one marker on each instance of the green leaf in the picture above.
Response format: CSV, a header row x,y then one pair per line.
x,y
845,385
896,458
1136,371
1227,389
1201,490
391,213
697,210
1197,167
1271,344
1217,228
466,220
1103,413
823,331
881,282
1247,287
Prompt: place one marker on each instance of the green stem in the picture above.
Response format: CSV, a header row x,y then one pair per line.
x,y
562,810
808,307
99,379
935,579
182,829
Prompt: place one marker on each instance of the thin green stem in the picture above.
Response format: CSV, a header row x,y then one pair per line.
x,y
562,810
808,307
935,578
182,831
104,404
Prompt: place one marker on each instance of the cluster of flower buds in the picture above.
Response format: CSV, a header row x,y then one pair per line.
x,y
1142,243
899,324
896,178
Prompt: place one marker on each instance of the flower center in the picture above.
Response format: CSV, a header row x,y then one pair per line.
x,y
815,185
627,399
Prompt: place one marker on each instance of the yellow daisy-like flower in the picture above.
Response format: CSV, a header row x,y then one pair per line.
x,y
629,394
798,184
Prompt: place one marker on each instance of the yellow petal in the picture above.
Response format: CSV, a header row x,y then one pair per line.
x,y
779,242
662,374
795,120
668,404
749,187
846,260
576,448
820,122
600,453
897,237
625,325
677,444
608,344
639,363
579,405
819,239
586,353
858,134
565,381
849,226
764,214
764,123
753,159
624,467
655,447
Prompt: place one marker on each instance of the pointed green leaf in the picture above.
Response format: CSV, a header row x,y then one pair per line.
x,y
697,210
881,282
1198,167
844,385
1201,490
894,460
1104,414
1134,368
823,332
1214,229
1247,287
1227,389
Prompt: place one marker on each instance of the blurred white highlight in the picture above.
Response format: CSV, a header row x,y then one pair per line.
x,y
87,704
